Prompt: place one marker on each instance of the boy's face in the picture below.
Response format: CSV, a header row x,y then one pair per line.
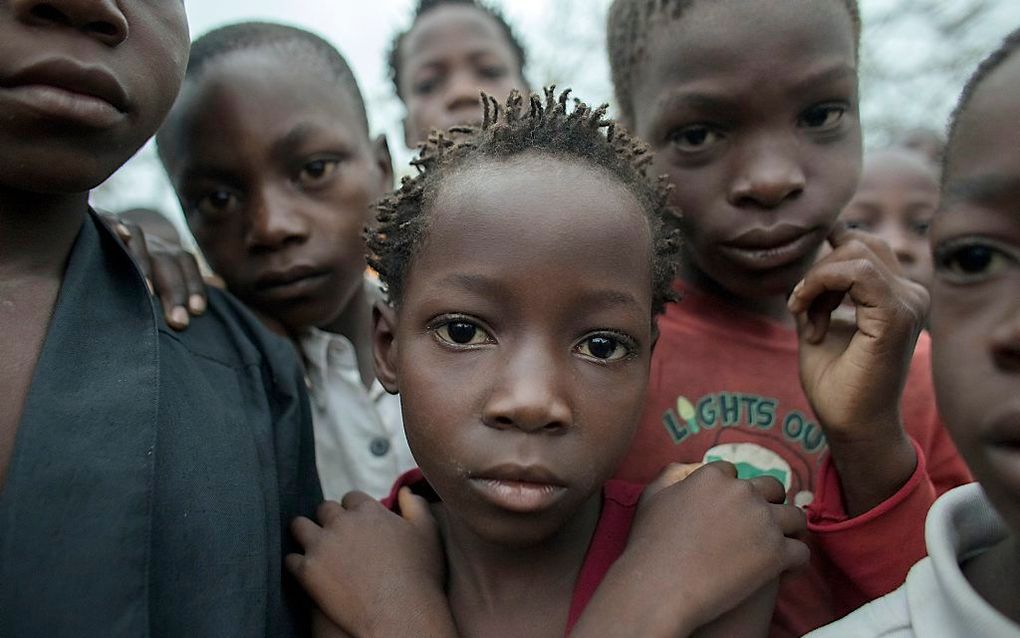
x,y
277,175
751,109
522,345
450,56
975,318
83,84
896,199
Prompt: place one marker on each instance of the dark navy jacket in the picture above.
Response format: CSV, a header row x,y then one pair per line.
x,y
155,473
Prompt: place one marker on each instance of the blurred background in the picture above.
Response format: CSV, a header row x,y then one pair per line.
x,y
915,57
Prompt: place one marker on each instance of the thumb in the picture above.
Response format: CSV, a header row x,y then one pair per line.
x,y
415,510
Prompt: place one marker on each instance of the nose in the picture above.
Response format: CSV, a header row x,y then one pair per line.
x,y
528,394
1005,340
275,222
903,247
768,176
102,20
463,94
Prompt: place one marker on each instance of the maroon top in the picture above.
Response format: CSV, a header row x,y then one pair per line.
x,y
619,504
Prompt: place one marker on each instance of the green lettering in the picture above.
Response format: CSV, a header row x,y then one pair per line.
x,y
793,425
676,431
730,406
766,417
706,411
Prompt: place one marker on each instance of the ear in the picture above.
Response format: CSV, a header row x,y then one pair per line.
x,y
655,334
383,159
384,345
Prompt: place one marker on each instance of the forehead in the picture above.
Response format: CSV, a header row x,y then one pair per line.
x,y
745,45
536,217
985,153
454,29
257,93
896,169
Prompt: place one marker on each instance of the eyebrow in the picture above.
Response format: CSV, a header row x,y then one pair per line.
x,y
486,286
834,73
289,144
984,189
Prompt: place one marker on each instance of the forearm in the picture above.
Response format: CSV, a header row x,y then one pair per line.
x,y
872,469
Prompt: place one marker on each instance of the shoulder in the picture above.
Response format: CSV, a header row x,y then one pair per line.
x,y
622,494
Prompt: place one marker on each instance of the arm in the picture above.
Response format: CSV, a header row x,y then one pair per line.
x,y
854,374
716,544
373,572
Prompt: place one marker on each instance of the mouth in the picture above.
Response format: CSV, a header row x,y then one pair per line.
x,y
292,282
772,247
519,489
66,90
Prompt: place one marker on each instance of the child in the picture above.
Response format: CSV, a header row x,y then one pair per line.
x,y
970,583
146,478
895,200
519,399
751,109
452,50
268,148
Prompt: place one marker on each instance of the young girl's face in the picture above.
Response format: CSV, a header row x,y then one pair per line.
x,y
751,108
975,318
452,54
276,174
78,96
522,342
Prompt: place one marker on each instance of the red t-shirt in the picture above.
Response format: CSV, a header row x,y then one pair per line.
x,y
725,385
619,504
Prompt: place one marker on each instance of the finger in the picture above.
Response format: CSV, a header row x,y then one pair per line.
x,y
791,519
672,474
328,511
305,532
354,500
769,488
867,282
415,509
197,299
172,291
795,554
134,239
725,467
295,564
844,236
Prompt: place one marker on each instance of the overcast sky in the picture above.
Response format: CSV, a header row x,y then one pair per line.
x,y
363,30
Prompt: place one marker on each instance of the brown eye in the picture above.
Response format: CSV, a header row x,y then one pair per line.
x,y
604,347
971,261
694,138
462,333
217,203
317,172
823,117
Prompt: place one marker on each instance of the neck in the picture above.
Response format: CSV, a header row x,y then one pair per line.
x,y
37,232
489,579
355,323
995,575
773,308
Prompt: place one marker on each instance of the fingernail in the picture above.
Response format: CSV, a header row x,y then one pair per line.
x,y
148,284
179,316
123,231
197,304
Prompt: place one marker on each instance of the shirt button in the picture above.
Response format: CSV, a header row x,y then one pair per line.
x,y
380,446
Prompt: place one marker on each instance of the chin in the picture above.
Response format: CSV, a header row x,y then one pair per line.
x,y
43,179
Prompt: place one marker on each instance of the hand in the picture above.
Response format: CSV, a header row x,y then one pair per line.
x,y
171,272
670,475
854,373
711,542
373,572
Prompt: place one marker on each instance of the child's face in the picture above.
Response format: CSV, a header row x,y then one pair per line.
x,y
896,198
276,175
751,108
450,56
522,345
975,318
78,96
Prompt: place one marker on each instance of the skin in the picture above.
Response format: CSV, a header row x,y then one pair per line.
x,y
53,154
975,321
930,144
896,199
552,376
755,137
452,53
275,171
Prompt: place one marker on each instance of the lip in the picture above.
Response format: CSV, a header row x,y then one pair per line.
x,y
65,89
291,282
518,488
773,246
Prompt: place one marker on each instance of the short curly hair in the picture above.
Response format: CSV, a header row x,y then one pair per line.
x,y
988,66
627,31
424,6
555,126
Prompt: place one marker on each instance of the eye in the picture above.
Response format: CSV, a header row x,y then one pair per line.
x,y
823,117
492,72
920,227
971,260
604,347
426,86
217,203
856,224
461,332
317,172
693,139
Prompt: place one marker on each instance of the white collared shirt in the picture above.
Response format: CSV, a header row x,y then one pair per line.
x,y
937,601
359,433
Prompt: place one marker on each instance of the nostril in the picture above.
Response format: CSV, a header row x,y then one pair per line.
x,y
103,28
49,13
